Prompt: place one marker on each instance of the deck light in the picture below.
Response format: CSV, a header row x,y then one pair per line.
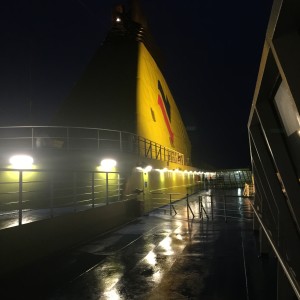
x,y
148,169
108,164
21,161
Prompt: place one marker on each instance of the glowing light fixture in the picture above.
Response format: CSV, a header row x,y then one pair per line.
x,y
108,164
118,20
148,169
21,161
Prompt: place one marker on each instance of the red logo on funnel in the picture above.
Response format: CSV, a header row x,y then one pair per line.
x,y
164,104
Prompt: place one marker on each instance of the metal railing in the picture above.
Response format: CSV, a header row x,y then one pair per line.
x,y
32,195
203,204
225,206
228,179
81,138
286,268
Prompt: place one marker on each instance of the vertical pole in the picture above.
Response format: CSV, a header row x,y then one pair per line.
x,y
98,141
160,153
170,205
120,137
32,144
212,207
51,195
20,196
107,188
225,208
93,189
187,206
119,189
200,206
74,191
68,142
138,146
229,175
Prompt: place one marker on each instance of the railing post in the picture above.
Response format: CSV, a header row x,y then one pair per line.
x,y
74,191
225,208
119,192
212,207
51,195
121,146
32,139
187,206
98,141
200,206
93,189
107,202
138,146
170,205
68,141
20,196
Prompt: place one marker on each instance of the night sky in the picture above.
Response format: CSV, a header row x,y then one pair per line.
x,y
211,51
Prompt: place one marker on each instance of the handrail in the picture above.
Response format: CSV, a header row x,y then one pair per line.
x,y
64,138
72,193
284,265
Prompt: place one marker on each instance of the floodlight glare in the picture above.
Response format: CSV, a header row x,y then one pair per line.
x,y
21,161
148,169
108,164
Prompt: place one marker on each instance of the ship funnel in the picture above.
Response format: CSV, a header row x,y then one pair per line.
x,y
137,14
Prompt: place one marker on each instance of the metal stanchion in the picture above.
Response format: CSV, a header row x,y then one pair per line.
x,y
106,188
188,207
93,189
225,208
51,195
200,206
20,196
212,207
75,191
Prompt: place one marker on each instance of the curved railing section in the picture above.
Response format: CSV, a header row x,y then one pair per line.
x,y
81,138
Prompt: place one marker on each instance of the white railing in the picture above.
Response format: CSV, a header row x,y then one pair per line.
x,y
32,195
81,138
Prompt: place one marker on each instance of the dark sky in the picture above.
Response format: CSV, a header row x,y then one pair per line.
x,y
211,50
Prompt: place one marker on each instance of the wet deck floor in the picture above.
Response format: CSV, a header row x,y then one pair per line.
x,y
158,257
